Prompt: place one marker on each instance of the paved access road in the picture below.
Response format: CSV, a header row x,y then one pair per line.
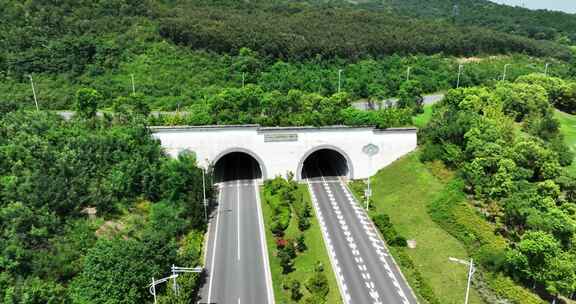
x,y
237,258
365,271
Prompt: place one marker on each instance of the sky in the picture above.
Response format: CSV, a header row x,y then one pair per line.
x,y
568,6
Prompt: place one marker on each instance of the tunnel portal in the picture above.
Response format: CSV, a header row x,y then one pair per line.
x,y
325,162
236,166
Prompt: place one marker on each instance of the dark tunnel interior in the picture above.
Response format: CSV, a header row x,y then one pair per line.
x,y
236,166
325,162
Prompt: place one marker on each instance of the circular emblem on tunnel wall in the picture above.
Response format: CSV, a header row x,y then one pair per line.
x,y
370,149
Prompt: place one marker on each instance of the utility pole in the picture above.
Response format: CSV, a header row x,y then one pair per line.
x,y
339,79
133,85
504,73
471,270
460,69
34,93
408,73
546,69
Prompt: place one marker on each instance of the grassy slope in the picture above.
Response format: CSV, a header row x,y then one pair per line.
x,y
568,128
403,190
304,263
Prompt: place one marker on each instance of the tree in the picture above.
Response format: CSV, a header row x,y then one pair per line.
x,y
116,271
539,258
87,102
410,96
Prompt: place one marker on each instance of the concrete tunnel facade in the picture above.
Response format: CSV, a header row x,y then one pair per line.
x,y
279,150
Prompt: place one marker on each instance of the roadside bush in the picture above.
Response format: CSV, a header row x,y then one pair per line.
x,y
382,221
295,292
317,285
286,260
301,243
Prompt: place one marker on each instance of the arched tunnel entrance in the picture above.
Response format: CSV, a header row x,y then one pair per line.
x,y
325,162
236,166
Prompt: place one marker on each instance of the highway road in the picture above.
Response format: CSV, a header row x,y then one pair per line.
x,y
365,271
237,258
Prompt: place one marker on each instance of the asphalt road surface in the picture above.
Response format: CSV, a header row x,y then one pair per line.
x,y
237,258
365,271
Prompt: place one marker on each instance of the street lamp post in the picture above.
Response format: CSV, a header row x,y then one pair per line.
x,y
504,73
471,270
339,80
370,150
204,193
34,93
176,271
460,68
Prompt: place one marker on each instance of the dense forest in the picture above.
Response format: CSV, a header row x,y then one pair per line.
x,y
179,53
91,210
301,32
540,24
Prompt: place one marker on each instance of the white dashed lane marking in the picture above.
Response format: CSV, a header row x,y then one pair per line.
x,y
331,252
378,246
352,245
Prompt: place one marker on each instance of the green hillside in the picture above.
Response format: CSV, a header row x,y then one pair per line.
x,y
537,24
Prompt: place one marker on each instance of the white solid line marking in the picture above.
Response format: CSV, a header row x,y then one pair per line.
x,y
214,246
238,219
264,247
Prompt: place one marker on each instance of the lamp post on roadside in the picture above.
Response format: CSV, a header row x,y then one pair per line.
x,y
204,194
370,150
460,69
504,73
34,93
339,80
471,270
176,271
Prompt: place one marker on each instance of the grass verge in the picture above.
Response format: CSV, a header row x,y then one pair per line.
x,y
422,119
403,191
426,203
568,129
305,262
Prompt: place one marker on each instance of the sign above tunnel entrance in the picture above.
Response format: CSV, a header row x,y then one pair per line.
x,y
370,149
280,137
